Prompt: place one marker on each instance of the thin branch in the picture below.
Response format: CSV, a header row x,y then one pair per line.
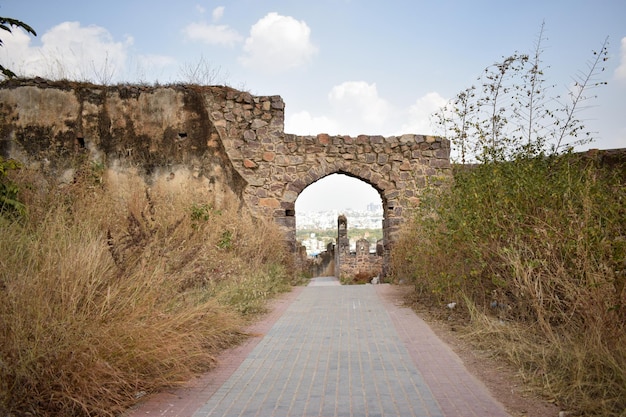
x,y
581,84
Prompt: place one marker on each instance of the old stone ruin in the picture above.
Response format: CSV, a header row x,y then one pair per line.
x,y
362,265
358,267
216,139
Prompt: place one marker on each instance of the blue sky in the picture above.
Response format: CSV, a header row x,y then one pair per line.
x,y
342,66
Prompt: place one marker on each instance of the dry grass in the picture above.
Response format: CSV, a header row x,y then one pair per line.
x,y
534,250
361,277
114,289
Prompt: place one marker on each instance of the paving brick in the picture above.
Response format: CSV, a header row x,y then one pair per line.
x,y
336,350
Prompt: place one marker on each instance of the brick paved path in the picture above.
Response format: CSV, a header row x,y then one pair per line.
x,y
341,351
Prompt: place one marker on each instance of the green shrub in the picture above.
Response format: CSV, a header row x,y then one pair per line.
x,y
531,240
248,295
536,241
9,190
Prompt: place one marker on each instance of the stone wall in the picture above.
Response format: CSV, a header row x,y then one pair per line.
x,y
361,264
397,167
230,142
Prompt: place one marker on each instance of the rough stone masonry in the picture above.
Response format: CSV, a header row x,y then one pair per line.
x,y
227,140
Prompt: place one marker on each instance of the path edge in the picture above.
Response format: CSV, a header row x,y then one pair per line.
x,y
186,400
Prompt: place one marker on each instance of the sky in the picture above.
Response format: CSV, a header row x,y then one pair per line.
x,y
341,66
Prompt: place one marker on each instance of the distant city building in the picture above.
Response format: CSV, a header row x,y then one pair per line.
x,y
371,218
313,246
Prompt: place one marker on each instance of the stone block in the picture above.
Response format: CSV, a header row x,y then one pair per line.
x,y
277,103
249,135
290,196
256,180
370,158
440,163
269,202
323,139
249,164
257,123
442,154
295,160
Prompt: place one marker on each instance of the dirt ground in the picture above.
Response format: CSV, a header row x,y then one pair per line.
x,y
501,379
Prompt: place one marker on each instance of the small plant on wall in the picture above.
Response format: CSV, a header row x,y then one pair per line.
x,y
9,190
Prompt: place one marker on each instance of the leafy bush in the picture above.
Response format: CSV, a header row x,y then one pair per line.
x,y
248,296
531,240
9,202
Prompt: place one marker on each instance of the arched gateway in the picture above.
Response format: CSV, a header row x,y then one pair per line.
x,y
222,135
277,166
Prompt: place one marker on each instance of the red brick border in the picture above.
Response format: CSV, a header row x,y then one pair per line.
x,y
185,401
456,390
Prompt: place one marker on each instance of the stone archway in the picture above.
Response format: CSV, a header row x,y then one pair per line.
x,y
277,166
348,263
398,167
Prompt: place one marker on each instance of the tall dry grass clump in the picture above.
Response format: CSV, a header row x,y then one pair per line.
x,y
535,249
112,289
531,239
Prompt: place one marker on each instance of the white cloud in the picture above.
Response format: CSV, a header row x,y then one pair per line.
x,y
620,71
200,9
15,50
359,106
218,12
212,34
68,50
419,114
303,123
356,108
278,43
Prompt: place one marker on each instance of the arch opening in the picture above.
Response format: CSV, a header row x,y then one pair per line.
x,y
353,248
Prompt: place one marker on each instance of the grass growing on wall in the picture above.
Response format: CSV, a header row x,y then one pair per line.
x,y
110,289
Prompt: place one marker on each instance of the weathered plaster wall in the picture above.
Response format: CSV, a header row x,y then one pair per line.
x,y
161,131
